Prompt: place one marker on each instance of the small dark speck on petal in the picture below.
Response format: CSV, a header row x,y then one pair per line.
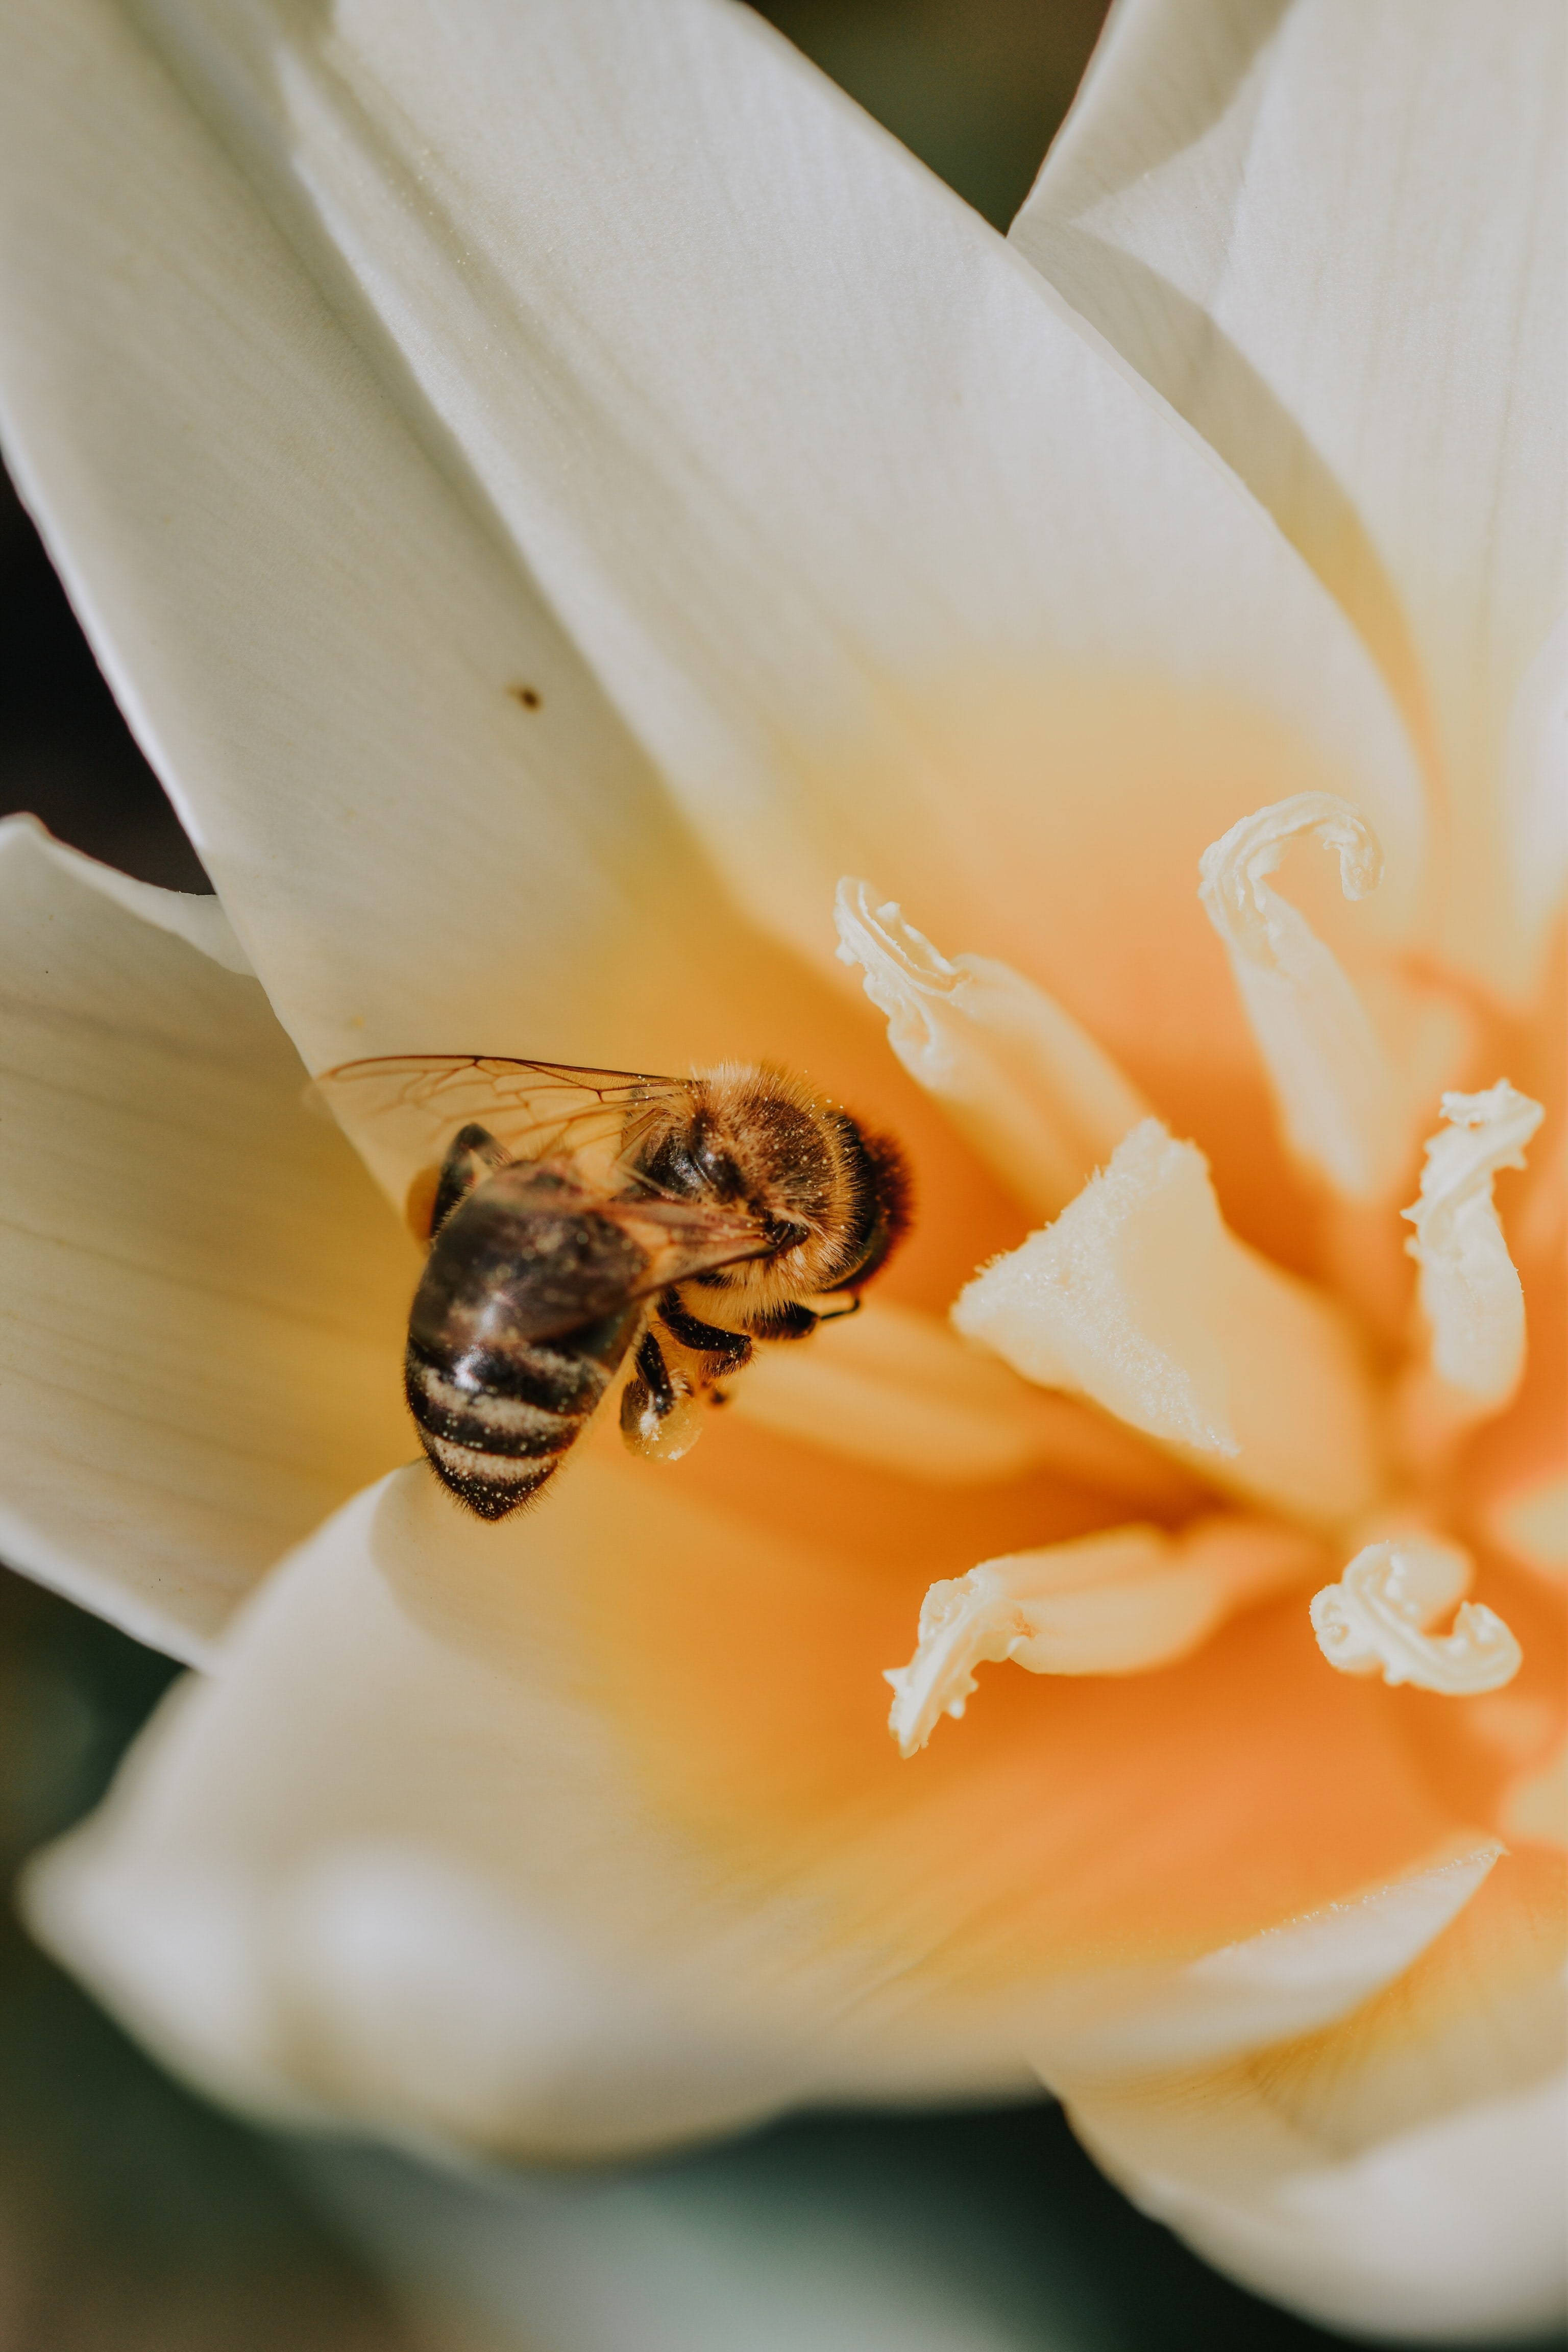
x,y
528,696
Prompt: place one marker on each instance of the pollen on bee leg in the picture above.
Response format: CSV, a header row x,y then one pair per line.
x,y
1469,1291
1348,1086
1040,1101
661,1411
1378,1619
1118,1603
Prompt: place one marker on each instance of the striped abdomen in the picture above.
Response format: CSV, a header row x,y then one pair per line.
x,y
519,1325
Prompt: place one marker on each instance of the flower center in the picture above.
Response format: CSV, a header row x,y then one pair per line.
x,y
1137,1299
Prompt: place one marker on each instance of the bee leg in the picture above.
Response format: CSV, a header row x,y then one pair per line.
x,y
471,1156
790,1322
661,1414
733,1349
655,1374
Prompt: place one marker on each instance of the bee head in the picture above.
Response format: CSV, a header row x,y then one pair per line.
x,y
833,1198
884,1203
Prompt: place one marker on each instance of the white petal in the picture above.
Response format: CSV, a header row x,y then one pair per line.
x,y
1283,1982
381,1870
866,537
203,1290
1448,2232
1401,2171
582,1833
1333,236
312,623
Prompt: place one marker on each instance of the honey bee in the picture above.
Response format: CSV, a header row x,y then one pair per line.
x,y
578,1217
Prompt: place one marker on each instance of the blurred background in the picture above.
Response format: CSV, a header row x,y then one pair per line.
x,y
135,2219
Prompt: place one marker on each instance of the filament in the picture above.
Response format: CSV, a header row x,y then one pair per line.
x,y
1346,1105
1140,1296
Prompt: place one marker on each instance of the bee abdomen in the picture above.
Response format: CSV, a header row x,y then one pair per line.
x,y
495,1422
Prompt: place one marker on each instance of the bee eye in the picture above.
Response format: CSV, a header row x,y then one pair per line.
x,y
673,1167
719,1171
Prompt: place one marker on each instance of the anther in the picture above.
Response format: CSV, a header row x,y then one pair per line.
x,y
1378,1619
1040,1101
1346,1104
1471,1293
1117,1603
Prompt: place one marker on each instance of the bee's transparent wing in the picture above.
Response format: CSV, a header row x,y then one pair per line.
x,y
402,1110
680,1238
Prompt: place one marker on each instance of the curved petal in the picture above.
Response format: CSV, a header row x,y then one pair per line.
x,y
324,644
1402,2172
202,1291
585,1832
883,557
1333,236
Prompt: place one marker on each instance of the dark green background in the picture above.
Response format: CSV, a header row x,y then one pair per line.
x,y
134,2219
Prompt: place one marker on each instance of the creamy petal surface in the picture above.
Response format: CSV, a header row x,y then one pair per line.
x,y
322,642
896,538
555,486
204,1292
585,1832
1402,2172
1333,237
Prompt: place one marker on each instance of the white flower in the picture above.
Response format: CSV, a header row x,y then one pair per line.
x,y
555,489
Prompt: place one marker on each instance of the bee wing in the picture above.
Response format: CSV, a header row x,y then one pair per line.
x,y
680,1238
402,1110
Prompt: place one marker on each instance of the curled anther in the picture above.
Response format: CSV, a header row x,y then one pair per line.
x,y
1124,1601
1378,1618
1243,910
901,967
1341,1101
1034,1093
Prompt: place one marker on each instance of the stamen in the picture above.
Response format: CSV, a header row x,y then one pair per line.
x,y
1140,1298
1039,1100
1471,1293
1346,1104
1376,1620
1118,1603
900,1391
